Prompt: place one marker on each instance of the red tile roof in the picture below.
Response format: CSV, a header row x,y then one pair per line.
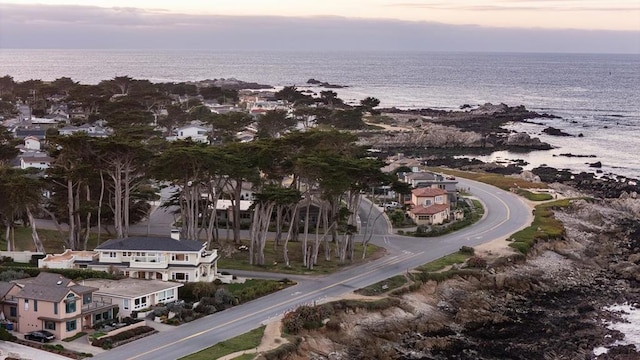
x,y
428,191
430,210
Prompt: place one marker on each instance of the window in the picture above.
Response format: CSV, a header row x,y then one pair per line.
x,y
140,303
55,308
111,254
180,276
179,257
70,304
86,299
106,315
49,325
35,305
26,304
71,325
125,304
13,311
97,317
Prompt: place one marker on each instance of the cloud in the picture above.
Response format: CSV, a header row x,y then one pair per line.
x,y
88,27
517,5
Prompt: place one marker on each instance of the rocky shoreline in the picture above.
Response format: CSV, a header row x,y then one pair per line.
x,y
553,305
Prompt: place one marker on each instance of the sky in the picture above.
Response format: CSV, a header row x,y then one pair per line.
x,y
440,25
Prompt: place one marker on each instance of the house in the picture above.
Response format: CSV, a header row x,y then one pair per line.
x,y
195,132
21,133
89,129
8,301
429,179
36,160
67,260
161,258
32,143
429,206
52,302
135,294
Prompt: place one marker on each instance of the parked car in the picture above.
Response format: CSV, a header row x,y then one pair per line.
x,y
391,205
40,335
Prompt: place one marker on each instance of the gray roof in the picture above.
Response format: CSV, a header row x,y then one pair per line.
x,y
45,278
151,244
4,288
130,287
54,293
50,287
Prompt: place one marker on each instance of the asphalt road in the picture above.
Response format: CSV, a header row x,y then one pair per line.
x,y
505,213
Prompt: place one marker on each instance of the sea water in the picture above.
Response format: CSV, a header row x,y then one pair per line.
x,y
596,95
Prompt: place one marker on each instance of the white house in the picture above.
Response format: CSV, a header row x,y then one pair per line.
x,y
32,143
35,160
195,132
161,258
67,260
134,294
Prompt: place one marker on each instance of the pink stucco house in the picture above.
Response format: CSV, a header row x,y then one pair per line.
x,y
52,302
429,206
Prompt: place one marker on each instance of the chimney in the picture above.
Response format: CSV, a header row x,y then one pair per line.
x,y
175,233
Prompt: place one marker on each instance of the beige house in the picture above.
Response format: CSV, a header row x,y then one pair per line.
x,y
52,302
160,258
429,206
135,294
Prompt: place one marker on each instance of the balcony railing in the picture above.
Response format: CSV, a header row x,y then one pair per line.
x,y
208,256
95,305
149,262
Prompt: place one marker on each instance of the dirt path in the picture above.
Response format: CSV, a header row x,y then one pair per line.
x,y
270,340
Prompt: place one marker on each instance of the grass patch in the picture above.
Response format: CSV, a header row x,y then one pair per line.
x,y
52,240
383,286
544,227
274,260
497,180
443,262
534,196
246,341
78,335
255,288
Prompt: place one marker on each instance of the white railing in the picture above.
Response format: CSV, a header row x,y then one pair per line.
x,y
153,262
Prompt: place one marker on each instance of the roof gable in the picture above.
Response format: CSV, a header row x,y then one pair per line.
x,y
430,210
428,192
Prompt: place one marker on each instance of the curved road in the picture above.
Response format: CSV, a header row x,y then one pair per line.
x,y
505,213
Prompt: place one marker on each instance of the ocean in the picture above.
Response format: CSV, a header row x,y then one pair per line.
x,y
596,95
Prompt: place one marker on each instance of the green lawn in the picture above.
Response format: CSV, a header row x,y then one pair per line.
x,y
534,196
497,180
443,262
52,240
544,226
383,286
247,341
274,260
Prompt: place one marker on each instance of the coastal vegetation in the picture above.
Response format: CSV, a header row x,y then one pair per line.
x,y
246,341
544,227
306,185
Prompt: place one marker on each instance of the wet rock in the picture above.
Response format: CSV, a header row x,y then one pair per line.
x,y
596,164
555,132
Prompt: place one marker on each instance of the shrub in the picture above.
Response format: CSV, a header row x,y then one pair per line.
x,y
476,262
6,335
468,250
111,341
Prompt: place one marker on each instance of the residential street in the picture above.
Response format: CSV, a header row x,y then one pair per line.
x,y
505,213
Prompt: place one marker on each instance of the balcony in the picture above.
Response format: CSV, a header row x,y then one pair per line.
x,y
208,256
98,305
149,262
